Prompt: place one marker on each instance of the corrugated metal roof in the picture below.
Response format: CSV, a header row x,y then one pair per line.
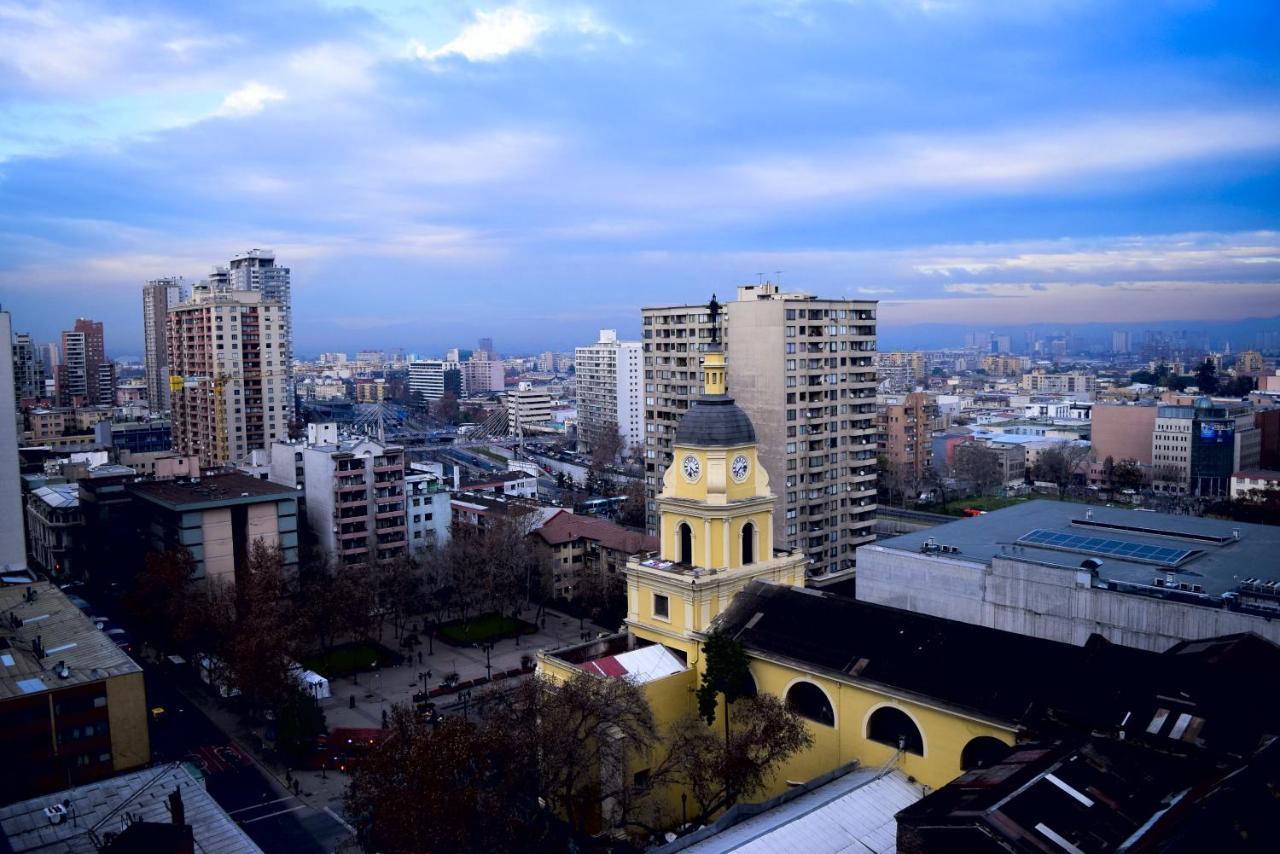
x,y
646,664
61,495
851,813
96,809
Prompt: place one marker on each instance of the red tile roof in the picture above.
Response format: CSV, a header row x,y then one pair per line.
x,y
567,527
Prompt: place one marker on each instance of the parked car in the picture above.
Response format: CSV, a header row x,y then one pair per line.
x,y
79,602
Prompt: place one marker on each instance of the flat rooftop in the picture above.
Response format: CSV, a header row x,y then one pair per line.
x,y
216,490
65,634
96,810
1130,546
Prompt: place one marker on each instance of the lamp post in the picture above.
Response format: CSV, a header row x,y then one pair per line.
x,y
488,662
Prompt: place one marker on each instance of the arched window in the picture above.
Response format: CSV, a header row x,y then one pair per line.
x,y
983,752
891,726
809,701
686,543
748,543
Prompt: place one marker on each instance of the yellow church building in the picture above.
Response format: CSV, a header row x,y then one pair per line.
x,y
875,685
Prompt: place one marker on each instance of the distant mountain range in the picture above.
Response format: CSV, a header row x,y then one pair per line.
x,y
1242,334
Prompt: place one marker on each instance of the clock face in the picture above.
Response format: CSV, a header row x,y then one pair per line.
x,y
740,468
691,467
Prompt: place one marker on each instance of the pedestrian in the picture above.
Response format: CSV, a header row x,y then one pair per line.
x,y
419,656
384,718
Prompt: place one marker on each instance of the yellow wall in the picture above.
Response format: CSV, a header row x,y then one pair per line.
x,y
945,733
717,532
127,717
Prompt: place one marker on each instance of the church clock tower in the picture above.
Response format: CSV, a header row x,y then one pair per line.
x,y
715,519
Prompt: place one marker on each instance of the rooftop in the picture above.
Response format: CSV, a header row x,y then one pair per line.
x,y
65,634
1011,678
97,811
855,811
567,527
1131,547
211,491
59,495
715,421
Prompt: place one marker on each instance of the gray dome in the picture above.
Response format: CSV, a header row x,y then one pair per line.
x,y
715,421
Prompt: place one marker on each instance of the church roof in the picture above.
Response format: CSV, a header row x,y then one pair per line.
x,y
715,420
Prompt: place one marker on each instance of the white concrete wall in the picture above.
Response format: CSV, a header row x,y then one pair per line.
x,y
1040,601
13,549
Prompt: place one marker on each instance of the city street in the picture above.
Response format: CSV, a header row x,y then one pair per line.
x,y
274,818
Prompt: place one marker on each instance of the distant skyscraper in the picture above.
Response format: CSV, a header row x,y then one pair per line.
x,y
157,296
486,346
13,547
426,380
231,393
83,354
28,379
1120,342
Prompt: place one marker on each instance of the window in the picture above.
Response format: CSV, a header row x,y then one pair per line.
x,y
810,702
686,544
661,607
983,752
893,727
748,544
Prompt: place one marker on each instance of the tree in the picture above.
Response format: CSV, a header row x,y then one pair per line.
x,y
159,599
1061,464
979,466
336,602
727,673
606,445
299,722
633,504
398,590
719,773
446,408
461,786
1128,474
1207,377
256,646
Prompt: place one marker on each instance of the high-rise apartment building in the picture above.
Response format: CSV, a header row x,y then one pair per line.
x,y
256,271
1075,383
1250,362
28,379
609,385
83,355
484,349
803,370
157,296
527,407
1121,342
13,548
229,367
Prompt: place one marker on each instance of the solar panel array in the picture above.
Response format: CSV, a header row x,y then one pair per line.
x,y
1107,548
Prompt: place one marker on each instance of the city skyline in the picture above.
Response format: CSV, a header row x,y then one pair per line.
x,y
543,170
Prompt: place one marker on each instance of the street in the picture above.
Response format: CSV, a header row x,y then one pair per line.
x,y
274,818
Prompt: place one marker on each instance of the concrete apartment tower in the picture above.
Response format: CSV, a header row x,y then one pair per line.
x,y
157,296
609,382
229,373
83,357
28,379
256,271
13,548
802,368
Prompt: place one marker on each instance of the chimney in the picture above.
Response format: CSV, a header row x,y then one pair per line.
x,y
176,808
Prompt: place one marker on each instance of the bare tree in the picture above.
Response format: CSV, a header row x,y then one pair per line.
x,y
979,466
606,445
1061,465
717,772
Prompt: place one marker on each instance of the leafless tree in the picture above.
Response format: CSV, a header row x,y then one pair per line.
x,y
979,466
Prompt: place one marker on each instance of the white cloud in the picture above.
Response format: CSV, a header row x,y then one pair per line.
x,y
250,98
1010,160
491,36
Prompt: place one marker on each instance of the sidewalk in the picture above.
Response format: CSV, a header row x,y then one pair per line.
x,y
379,690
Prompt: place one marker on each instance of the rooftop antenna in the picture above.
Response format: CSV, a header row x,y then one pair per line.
x,y
778,273
759,278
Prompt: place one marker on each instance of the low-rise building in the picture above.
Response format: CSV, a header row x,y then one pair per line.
x,y
1061,571
53,522
1245,483
429,514
165,810
1080,385
73,706
217,518
590,550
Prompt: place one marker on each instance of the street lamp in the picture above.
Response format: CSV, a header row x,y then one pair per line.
x,y
488,663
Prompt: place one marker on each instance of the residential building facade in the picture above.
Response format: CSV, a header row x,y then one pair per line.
x,y
1078,384
803,369
53,522
157,297
527,407
428,514
426,379
13,550
482,376
83,358
229,381
28,378
905,433
355,497
609,382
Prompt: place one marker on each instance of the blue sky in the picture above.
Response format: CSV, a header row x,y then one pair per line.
x,y
536,171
